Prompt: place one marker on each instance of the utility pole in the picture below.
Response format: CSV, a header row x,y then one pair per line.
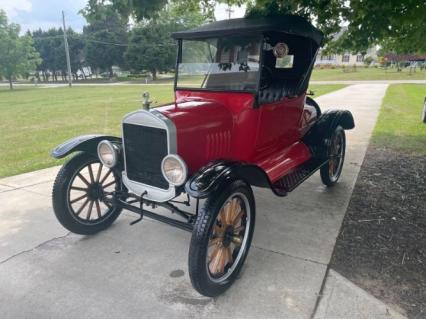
x,y
229,10
67,51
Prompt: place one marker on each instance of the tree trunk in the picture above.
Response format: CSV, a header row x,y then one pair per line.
x,y
10,83
154,74
111,73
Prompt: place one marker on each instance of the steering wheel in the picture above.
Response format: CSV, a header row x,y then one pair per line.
x,y
265,77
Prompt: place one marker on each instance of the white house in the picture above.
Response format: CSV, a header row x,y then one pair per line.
x,y
345,59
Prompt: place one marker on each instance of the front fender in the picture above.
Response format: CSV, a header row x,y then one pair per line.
x,y
83,143
214,176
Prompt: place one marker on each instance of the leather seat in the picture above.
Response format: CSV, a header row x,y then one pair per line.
x,y
278,91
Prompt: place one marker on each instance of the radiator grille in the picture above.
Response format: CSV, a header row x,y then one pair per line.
x,y
145,148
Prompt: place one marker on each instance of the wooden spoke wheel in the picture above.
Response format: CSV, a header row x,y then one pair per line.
x,y
227,237
221,239
79,192
330,172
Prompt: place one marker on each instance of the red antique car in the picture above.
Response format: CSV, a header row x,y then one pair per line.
x,y
241,118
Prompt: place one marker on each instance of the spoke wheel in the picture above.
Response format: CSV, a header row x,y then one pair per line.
x,y
227,237
221,238
330,173
78,195
87,190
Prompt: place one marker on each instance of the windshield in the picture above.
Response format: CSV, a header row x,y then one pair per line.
x,y
228,63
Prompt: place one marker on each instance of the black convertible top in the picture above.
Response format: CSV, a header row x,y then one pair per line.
x,y
290,24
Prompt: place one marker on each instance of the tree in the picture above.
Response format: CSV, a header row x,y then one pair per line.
x,y
396,23
50,45
105,37
324,13
151,46
17,53
148,9
139,9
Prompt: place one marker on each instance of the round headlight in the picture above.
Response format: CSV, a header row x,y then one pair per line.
x,y
174,170
107,153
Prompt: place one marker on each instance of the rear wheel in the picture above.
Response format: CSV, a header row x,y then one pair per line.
x,y
78,194
221,239
331,171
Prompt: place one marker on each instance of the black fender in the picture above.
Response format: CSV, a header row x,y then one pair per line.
x,y
83,143
216,175
318,135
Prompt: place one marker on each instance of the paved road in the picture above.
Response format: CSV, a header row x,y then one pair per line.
x,y
141,271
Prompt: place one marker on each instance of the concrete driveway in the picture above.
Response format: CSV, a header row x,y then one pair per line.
x,y
141,271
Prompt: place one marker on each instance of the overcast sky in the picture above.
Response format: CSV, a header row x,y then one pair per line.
x,y
45,14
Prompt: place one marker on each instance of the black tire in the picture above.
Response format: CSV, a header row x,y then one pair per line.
x,y
330,174
61,196
199,266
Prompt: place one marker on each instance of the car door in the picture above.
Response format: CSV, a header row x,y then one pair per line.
x,y
279,125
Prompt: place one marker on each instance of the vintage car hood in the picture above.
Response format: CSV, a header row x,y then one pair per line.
x,y
193,115
204,130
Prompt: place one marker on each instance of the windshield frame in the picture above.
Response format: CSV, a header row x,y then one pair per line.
x,y
258,76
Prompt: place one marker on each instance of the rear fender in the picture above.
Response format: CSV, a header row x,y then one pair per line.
x,y
83,143
319,134
215,176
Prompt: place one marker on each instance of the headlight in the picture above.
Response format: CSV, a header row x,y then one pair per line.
x,y
174,170
108,153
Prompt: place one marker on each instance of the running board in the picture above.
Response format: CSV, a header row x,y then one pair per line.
x,y
290,181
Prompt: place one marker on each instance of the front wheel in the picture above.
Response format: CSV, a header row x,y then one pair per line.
x,y
336,147
221,239
78,194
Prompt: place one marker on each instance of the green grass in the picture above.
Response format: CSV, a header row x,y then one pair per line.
x,y
324,89
399,125
364,74
35,120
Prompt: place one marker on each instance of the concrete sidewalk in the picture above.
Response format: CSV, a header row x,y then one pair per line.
x,y
141,271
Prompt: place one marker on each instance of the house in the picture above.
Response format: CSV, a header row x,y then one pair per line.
x,y
346,59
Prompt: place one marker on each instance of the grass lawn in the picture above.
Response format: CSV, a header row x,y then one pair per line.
x,y
399,125
363,74
35,120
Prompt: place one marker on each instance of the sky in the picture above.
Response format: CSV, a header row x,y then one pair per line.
x,y
45,14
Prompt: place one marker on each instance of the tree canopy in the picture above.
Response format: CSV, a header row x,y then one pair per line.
x,y
398,24
17,53
150,44
105,37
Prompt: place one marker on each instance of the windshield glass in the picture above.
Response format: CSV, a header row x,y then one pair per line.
x,y
228,63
